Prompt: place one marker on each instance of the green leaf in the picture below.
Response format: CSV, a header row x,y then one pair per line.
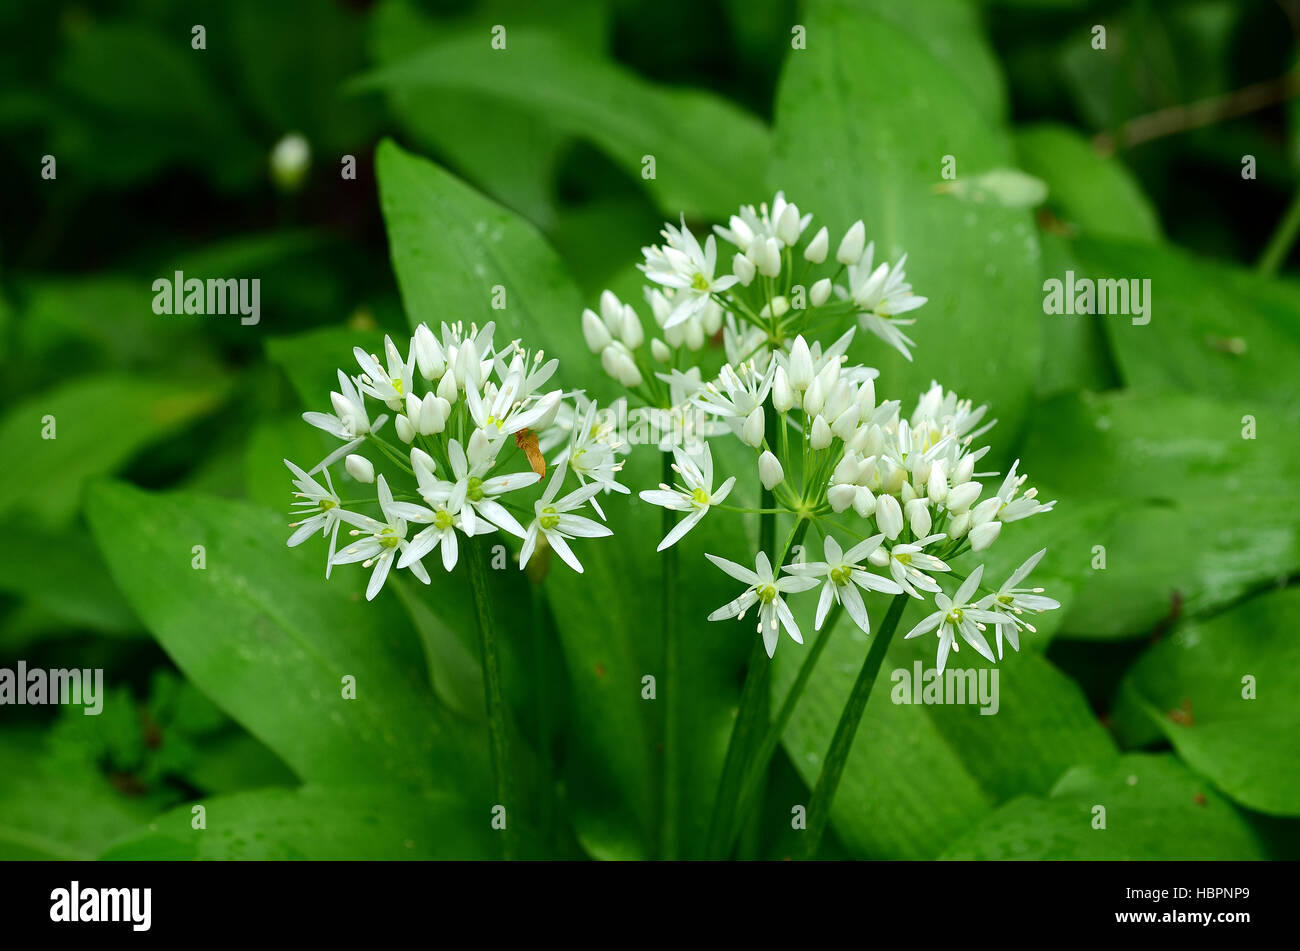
x,y
37,565
1243,735
53,809
1200,525
261,632
1215,330
1154,809
920,773
708,154
317,822
1086,191
100,423
950,31
450,246
857,142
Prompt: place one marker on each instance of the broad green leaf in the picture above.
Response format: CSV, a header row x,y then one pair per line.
x,y
99,423
1214,329
857,142
54,809
509,151
236,762
38,566
296,86
950,31
708,153
1223,692
1086,191
450,246
163,110
1199,526
261,632
920,773
1154,809
318,822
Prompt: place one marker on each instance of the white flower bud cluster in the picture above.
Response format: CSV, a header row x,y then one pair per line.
x,y
465,412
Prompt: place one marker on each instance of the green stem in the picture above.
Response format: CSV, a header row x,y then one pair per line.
x,y
541,617
754,699
498,715
772,739
1279,245
819,809
672,748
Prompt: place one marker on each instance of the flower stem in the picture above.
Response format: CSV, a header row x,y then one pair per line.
x,y
754,700
763,758
672,748
498,715
1279,245
819,809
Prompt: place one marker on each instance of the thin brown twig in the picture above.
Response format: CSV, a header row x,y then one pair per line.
x,y
1196,115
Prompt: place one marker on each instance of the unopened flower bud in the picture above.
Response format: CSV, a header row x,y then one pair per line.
x,y
855,240
769,471
821,291
889,516
360,468
821,433
817,247
594,331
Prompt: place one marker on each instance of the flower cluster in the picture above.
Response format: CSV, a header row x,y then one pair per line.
x,y
781,283
474,425
894,495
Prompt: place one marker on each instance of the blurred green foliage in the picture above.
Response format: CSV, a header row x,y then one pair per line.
x,y
525,168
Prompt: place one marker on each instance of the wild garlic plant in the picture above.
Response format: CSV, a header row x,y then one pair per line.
x,y
893,493
473,424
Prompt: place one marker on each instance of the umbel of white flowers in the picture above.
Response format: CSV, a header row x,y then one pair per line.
x,y
782,281
895,497
475,425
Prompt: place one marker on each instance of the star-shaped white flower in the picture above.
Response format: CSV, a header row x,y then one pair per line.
x,y
696,494
766,591
688,268
554,521
1009,603
391,384
324,505
957,615
383,541
844,574
907,563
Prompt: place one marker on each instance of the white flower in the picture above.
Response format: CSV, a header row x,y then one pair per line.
x,y
783,223
696,495
687,268
590,455
908,563
478,494
511,407
349,420
766,591
389,385
882,295
555,521
322,502
957,615
384,540
1009,602
844,575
